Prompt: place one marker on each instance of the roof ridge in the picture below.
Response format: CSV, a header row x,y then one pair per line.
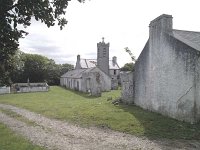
x,y
86,63
187,31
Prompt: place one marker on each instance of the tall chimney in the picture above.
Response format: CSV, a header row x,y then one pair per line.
x,y
114,60
78,64
160,25
159,31
78,58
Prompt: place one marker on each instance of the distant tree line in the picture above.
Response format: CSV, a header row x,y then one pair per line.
x,y
33,67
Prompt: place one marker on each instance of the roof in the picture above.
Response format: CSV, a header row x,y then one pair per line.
x,y
89,63
113,65
190,38
77,73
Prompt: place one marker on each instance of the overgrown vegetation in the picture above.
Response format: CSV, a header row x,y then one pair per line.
x,y
80,108
10,141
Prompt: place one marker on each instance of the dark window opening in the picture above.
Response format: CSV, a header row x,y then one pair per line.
x,y
114,72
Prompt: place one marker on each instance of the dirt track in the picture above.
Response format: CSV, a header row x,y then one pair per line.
x,y
54,134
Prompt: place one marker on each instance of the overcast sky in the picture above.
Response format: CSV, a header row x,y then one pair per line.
x,y
123,23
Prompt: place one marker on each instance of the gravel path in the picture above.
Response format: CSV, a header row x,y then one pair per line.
x,y
54,134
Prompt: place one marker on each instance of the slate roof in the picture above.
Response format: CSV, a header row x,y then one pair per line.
x,y
77,73
89,63
190,38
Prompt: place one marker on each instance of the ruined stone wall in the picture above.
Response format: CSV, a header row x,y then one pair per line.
x,y
95,82
127,84
30,87
114,84
4,90
92,83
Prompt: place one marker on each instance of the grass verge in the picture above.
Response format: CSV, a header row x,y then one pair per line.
x,y
79,108
10,141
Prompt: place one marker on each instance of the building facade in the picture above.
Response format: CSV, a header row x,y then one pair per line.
x,y
109,67
93,75
91,80
166,78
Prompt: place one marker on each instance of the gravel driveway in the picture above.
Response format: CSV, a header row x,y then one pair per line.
x,y
54,134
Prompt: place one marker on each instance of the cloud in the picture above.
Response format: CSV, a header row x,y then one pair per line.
x,y
126,25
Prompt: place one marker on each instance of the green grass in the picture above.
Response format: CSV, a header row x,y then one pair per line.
x,y
79,108
10,141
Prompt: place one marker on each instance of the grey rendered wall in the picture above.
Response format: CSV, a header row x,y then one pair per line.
x,y
167,80
197,89
141,78
167,74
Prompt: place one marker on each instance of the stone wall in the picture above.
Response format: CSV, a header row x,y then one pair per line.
x,y
4,90
95,81
114,84
127,84
30,87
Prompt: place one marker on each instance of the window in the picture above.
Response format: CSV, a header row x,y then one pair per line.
x,y
114,72
104,52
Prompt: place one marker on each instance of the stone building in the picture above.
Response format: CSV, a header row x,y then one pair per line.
x,y
110,67
83,78
166,78
91,80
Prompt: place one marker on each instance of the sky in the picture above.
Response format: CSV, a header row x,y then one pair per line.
x,y
123,23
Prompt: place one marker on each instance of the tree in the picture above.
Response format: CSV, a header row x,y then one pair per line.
x,y
130,53
16,73
128,67
19,12
35,67
54,72
66,67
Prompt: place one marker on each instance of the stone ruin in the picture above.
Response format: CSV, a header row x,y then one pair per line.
x,y
127,84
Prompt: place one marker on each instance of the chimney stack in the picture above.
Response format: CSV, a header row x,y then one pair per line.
x,y
78,64
114,60
78,58
161,24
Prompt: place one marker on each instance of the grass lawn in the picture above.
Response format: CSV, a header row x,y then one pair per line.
x,y
11,141
79,108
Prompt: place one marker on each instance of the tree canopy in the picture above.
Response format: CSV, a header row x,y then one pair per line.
x,y
128,67
15,13
37,68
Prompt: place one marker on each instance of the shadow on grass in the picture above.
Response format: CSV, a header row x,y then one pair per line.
x,y
158,126
82,94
